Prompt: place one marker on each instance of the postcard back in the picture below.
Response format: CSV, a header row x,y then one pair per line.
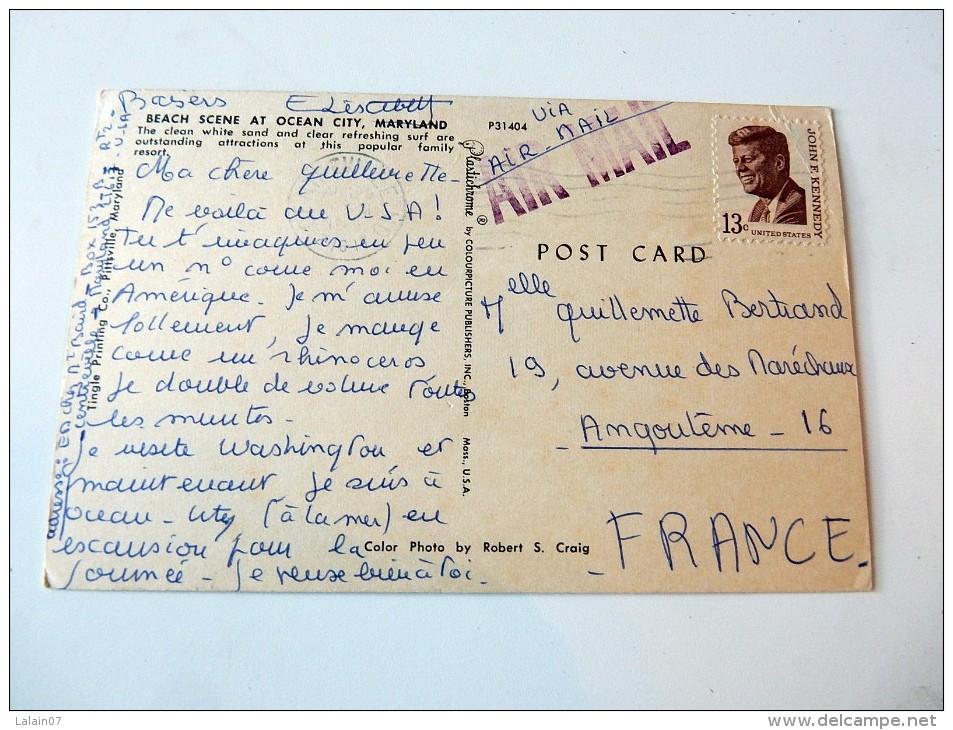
x,y
355,342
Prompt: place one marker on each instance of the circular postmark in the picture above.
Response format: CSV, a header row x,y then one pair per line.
x,y
347,206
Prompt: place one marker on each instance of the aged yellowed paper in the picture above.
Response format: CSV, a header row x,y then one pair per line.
x,y
350,342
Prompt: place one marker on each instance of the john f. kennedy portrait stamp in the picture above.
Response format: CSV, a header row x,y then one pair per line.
x,y
768,180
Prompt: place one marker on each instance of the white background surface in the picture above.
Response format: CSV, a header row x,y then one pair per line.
x,y
882,75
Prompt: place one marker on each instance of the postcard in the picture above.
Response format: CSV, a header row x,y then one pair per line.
x,y
432,343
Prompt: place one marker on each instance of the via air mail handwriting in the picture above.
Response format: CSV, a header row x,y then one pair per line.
x,y
605,145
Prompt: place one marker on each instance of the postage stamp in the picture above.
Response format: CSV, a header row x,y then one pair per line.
x,y
769,180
